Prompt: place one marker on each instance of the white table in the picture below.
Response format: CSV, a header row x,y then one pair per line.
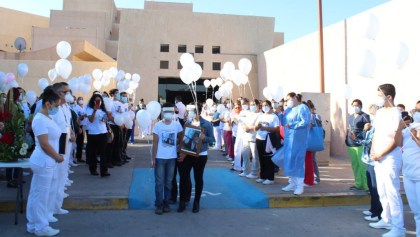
x,y
21,163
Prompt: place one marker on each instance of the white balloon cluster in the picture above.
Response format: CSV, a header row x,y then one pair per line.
x,y
273,93
191,71
63,66
144,117
125,119
7,81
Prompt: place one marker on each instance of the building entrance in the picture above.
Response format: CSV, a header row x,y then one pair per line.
x,y
169,88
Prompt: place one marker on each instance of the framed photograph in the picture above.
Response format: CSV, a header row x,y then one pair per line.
x,y
191,143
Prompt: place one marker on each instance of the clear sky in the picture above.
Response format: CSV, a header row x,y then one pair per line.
x,y
294,17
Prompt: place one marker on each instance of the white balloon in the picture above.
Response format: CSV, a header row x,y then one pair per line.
x,y
228,67
52,74
267,93
108,104
63,49
209,102
129,124
373,27
132,114
31,97
219,81
74,84
136,77
120,86
63,68
97,74
221,108
225,75
229,85
97,85
154,109
197,72
206,83
245,65
87,79
129,91
105,82
218,95
113,71
368,64
403,54
127,76
42,83
86,89
120,75
236,77
186,75
276,93
133,85
126,117
143,119
213,83
186,59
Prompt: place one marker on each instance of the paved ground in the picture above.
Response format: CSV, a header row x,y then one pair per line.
x,y
286,222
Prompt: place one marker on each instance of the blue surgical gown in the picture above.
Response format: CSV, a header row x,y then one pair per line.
x,y
295,139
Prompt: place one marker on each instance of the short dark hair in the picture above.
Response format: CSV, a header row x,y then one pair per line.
x,y
49,96
113,91
268,102
257,102
357,101
388,90
245,100
292,95
401,105
178,98
58,85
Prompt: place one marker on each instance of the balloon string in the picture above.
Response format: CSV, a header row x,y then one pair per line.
x,y
249,84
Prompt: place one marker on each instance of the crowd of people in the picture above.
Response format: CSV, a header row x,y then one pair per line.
x,y
249,133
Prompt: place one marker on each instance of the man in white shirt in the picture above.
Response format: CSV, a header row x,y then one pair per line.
x,y
388,162
80,111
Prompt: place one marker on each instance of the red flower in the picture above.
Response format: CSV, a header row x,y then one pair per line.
x,y
4,116
7,138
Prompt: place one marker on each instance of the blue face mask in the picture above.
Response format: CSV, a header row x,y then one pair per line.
x,y
53,111
124,99
117,96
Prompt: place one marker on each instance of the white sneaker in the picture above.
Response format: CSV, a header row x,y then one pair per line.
x,y
298,191
72,164
69,181
259,180
66,195
251,176
71,172
316,182
268,182
367,213
305,185
30,231
48,231
62,211
380,225
290,187
242,174
373,219
52,219
394,233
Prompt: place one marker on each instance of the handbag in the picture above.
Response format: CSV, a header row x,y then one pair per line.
x,y
316,139
110,134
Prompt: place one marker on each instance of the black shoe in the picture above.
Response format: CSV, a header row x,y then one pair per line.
x,y
166,208
106,174
94,173
196,207
128,158
117,164
159,210
181,206
12,184
172,202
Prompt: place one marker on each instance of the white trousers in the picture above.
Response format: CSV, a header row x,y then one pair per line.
x,y
412,190
217,137
62,175
249,150
388,180
39,197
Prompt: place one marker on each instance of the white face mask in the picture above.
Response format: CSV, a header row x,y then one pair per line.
x,y
228,105
416,117
69,98
290,104
266,109
244,107
380,101
80,102
168,116
253,108
275,105
191,115
356,109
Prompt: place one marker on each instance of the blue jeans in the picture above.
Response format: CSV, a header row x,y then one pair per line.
x,y
164,172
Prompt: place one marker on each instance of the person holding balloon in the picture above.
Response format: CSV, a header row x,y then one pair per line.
x,y
97,135
114,150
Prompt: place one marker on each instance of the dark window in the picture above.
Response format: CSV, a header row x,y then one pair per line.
x,y
164,64
179,65
199,49
215,50
164,48
182,48
216,66
201,65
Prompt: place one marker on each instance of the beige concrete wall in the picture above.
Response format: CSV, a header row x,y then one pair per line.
x,y
167,6
39,69
15,24
295,65
141,32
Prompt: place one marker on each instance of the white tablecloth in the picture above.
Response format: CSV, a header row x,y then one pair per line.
x,y
21,163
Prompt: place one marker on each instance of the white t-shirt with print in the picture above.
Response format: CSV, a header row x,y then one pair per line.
x,y
41,125
98,126
266,120
116,109
250,120
168,135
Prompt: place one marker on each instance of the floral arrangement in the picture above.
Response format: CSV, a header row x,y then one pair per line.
x,y
12,145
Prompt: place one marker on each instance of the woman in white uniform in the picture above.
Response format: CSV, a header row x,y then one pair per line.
x,y
43,163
